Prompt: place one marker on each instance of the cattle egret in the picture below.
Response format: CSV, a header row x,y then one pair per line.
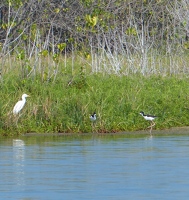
x,y
20,104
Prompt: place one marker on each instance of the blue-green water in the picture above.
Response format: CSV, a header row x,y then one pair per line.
x,y
117,168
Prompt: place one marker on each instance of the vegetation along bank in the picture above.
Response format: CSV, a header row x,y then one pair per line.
x,y
66,104
77,57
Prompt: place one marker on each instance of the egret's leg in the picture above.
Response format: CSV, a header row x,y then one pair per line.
x,y
17,117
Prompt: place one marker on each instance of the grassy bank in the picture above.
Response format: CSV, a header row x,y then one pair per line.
x,y
64,105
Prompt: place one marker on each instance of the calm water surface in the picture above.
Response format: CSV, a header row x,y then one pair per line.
x,y
108,167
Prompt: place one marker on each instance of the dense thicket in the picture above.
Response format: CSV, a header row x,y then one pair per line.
x,y
85,21
95,28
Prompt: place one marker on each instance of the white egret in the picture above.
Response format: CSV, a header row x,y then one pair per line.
x,y
20,104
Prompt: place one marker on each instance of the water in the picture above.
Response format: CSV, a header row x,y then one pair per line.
x,y
109,167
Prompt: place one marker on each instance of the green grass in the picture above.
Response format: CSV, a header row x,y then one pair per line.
x,y
64,104
117,100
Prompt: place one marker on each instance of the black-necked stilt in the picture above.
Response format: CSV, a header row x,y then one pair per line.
x,y
93,117
149,118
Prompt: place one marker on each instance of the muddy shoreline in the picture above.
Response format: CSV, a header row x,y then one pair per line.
x,y
172,131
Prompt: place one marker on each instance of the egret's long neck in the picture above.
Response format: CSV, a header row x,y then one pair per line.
x,y
24,99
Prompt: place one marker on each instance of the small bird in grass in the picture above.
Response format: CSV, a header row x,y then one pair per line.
x,y
93,117
20,104
93,120
149,118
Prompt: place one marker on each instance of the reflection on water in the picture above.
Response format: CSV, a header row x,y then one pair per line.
x,y
94,168
18,161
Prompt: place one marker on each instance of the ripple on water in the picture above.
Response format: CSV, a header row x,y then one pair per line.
x,y
95,168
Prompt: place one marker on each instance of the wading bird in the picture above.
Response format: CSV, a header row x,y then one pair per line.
x,y
93,120
93,117
149,118
20,104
